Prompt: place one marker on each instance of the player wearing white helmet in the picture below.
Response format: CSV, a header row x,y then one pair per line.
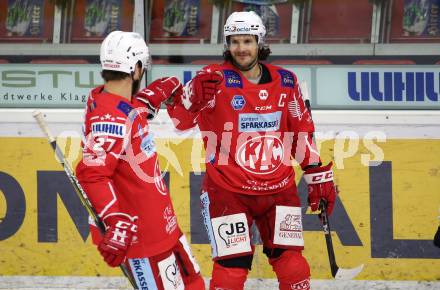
x,y
253,122
120,172
123,52
241,25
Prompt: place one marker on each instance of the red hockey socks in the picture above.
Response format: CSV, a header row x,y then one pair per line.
x,y
195,283
227,278
292,270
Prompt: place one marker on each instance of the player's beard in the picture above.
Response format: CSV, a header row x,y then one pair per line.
x,y
136,85
245,67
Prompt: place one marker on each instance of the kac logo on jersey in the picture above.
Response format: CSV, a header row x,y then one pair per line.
x,y
287,78
261,154
233,79
238,102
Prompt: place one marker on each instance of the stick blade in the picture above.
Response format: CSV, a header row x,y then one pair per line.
x,y
348,274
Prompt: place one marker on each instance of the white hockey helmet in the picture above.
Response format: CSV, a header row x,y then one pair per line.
x,y
244,22
121,51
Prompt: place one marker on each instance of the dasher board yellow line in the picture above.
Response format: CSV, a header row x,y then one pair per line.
x,y
113,283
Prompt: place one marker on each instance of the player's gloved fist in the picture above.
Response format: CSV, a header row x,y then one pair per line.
x,y
117,238
201,90
320,185
160,90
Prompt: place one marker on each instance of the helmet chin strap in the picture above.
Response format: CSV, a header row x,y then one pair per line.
x,y
245,68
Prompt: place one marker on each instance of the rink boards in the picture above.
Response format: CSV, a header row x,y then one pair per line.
x,y
387,170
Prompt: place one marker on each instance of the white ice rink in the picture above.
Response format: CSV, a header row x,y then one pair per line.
x,y
113,283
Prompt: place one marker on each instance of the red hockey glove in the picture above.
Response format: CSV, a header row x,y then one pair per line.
x,y
320,185
117,238
201,90
159,91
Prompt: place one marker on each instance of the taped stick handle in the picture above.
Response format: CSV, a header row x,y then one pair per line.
x,y
77,186
306,98
305,95
69,171
40,121
39,117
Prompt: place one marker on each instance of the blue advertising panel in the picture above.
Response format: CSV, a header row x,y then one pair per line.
x,y
330,87
373,87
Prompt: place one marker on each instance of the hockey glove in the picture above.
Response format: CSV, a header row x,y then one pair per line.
x,y
117,238
163,89
437,238
200,91
320,186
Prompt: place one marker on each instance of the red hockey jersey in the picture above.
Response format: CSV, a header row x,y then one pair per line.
x,y
120,172
252,130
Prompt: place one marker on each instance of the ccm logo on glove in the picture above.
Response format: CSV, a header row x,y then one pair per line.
x,y
117,239
120,232
320,185
319,177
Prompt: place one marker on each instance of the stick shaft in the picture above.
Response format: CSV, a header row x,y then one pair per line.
x,y
328,238
322,206
76,185
305,95
69,171
306,99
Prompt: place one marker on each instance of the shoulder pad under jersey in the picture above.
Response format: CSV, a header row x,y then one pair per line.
x,y
287,78
124,107
232,79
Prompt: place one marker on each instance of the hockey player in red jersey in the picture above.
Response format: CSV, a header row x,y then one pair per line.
x,y
120,172
253,121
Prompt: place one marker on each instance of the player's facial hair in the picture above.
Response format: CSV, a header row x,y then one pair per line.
x,y
136,84
248,67
245,68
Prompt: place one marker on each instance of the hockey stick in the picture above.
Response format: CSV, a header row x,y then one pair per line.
x,y
305,95
337,273
78,188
